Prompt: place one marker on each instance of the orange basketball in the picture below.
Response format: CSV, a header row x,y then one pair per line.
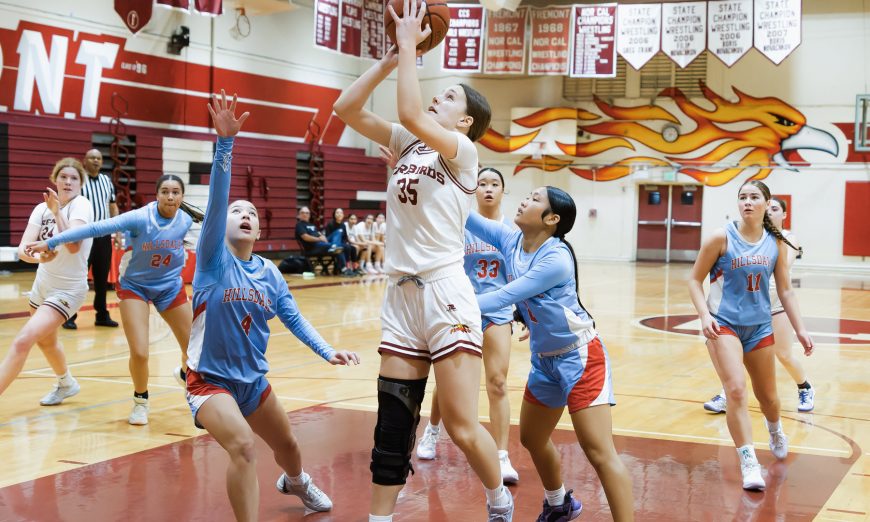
x,y
437,17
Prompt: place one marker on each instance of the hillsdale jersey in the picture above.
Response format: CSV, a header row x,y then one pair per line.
x,y
740,279
485,267
233,300
428,199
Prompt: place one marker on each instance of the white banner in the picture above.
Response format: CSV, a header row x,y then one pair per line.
x,y
684,36
777,28
640,29
729,29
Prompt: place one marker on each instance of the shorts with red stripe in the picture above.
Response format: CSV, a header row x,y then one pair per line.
x,y
163,298
431,316
579,379
753,337
249,396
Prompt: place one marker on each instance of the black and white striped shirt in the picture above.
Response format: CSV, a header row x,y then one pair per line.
x,y
100,192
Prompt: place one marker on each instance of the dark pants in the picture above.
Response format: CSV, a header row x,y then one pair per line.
x,y
322,248
99,261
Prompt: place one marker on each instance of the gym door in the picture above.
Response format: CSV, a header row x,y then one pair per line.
x,y
669,222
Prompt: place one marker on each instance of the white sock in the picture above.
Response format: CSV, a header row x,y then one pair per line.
x,y
298,481
65,379
434,428
556,497
502,455
747,454
497,497
722,393
380,518
774,427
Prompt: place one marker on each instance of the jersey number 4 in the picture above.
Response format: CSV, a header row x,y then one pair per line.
x,y
750,278
407,192
157,260
488,268
246,323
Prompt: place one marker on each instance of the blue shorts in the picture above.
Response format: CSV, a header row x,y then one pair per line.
x,y
578,379
752,337
249,396
496,318
164,298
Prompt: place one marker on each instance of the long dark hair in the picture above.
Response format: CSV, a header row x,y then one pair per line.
x,y
484,170
478,108
767,223
196,214
562,205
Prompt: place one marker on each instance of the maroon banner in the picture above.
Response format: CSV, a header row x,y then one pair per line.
x,y
212,7
373,29
326,24
351,27
135,13
178,4
505,42
551,32
594,41
464,40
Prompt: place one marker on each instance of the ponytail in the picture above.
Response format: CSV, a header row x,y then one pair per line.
x,y
576,278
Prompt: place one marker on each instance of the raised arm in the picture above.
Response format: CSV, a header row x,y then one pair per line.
x,y
711,249
131,221
289,314
493,232
788,299
350,106
550,271
211,248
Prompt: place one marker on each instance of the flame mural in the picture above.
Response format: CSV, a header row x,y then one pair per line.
x,y
726,140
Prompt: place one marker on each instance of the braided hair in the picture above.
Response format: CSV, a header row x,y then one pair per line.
x,y
767,223
562,205
196,214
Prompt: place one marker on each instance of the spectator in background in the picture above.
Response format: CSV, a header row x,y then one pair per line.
x,y
315,243
362,246
336,234
100,191
365,232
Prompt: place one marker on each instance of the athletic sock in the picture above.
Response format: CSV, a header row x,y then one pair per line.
x,y
497,497
747,454
380,518
502,454
774,427
143,395
556,497
65,379
804,385
434,428
298,480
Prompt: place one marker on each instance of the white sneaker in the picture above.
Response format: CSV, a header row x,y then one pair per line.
x,y
426,446
59,393
778,444
139,415
752,478
717,404
180,377
371,269
313,498
806,399
502,513
379,268
508,474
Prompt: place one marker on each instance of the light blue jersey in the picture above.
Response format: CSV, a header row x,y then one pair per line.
x,y
487,271
157,257
740,279
234,299
540,283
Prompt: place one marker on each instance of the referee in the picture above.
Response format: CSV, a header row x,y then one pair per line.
x,y
100,191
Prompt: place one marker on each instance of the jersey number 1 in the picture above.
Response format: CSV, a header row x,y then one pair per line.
x,y
157,260
749,279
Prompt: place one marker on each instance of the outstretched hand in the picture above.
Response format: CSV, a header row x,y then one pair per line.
x,y
224,117
51,200
344,358
408,26
37,247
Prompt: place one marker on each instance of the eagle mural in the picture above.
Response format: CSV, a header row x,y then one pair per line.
x,y
725,140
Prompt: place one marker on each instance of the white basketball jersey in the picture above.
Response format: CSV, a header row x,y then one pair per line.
x,y
428,199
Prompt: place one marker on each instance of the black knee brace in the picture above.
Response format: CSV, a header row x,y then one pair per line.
x,y
398,415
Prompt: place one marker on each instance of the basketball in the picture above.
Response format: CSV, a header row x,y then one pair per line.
x,y
437,17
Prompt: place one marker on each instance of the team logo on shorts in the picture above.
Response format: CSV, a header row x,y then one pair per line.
x,y
451,308
459,327
64,303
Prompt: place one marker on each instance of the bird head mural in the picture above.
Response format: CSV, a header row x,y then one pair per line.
x,y
721,141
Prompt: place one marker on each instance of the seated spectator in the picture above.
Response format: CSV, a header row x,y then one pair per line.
x,y
336,234
314,243
365,232
364,251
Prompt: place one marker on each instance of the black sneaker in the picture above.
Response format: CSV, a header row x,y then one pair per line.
x,y
70,324
106,320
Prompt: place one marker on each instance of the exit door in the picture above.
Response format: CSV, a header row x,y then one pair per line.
x,y
669,222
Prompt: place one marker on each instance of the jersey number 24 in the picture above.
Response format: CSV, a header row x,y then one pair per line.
x,y
157,260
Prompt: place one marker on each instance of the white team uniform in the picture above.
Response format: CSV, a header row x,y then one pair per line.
x,y
429,310
775,304
62,283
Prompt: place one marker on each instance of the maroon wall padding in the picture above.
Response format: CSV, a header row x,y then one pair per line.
x,y
346,171
856,216
30,145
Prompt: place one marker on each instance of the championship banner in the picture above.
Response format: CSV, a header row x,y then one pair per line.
x,y
550,47
640,29
326,24
685,31
135,13
351,27
729,29
210,7
464,40
777,28
373,36
178,4
505,42
593,41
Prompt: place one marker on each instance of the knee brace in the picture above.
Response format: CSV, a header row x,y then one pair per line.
x,y
398,416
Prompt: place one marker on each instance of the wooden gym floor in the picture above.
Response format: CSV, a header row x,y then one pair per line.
x,y
82,461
